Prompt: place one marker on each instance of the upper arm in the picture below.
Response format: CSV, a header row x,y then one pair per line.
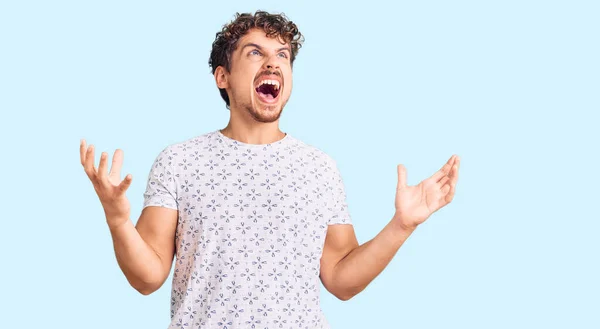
x,y
340,239
157,226
158,222
339,242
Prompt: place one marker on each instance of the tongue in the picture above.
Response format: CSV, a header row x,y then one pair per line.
x,y
265,97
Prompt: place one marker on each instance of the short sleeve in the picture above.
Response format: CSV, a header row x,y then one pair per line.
x,y
161,189
337,205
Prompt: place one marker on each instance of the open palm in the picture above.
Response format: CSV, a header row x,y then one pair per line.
x,y
414,204
108,185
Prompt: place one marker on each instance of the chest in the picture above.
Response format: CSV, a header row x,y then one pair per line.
x,y
243,201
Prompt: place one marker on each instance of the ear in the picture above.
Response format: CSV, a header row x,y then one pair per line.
x,y
221,78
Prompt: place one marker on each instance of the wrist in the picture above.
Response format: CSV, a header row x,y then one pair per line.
x,y
396,233
115,223
401,225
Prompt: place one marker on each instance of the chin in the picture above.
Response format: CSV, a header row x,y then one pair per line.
x,y
266,113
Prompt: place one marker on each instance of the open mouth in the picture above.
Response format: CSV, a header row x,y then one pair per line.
x,y
268,90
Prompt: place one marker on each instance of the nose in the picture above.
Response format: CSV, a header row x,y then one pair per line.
x,y
271,63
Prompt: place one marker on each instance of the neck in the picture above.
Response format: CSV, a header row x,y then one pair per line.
x,y
253,132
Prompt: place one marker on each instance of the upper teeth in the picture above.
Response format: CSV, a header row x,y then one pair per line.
x,y
270,82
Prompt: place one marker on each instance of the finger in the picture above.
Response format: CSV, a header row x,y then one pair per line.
x,y
125,183
455,177
454,172
82,151
445,190
90,169
452,184
117,163
102,175
401,177
442,181
440,173
443,171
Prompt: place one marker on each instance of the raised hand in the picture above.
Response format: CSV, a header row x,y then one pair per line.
x,y
108,186
414,204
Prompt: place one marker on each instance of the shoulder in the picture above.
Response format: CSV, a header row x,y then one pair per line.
x,y
306,149
180,148
313,156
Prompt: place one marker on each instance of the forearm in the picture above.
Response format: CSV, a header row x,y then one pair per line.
x,y
138,261
355,271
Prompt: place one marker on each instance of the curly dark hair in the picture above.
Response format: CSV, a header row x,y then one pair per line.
x,y
226,41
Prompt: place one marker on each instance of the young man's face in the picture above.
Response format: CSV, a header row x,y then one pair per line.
x,y
260,80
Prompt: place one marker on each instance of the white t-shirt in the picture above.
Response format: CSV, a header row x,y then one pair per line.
x,y
251,228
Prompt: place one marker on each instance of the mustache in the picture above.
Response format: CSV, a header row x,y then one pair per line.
x,y
268,72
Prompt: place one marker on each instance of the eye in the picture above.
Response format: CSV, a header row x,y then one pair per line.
x,y
283,55
255,52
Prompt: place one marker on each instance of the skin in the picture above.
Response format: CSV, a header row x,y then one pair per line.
x,y
347,267
145,252
252,121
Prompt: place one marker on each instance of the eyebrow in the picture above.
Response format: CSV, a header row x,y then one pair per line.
x,y
260,48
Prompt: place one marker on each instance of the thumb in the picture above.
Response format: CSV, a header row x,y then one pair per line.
x,y
401,177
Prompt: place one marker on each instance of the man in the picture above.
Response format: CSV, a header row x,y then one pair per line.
x,y
254,216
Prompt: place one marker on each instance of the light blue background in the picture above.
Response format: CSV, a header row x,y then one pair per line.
x,y
510,86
